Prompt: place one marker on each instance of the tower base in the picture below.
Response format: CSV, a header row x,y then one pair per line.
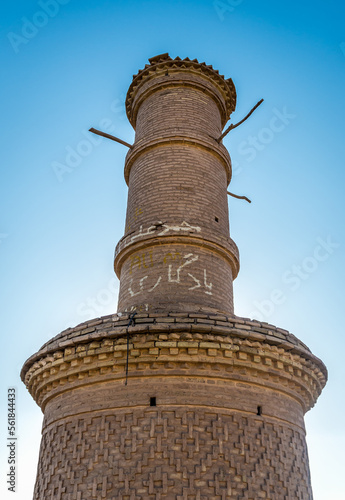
x,y
213,408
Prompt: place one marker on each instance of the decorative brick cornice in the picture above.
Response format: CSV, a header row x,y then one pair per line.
x,y
163,64
199,344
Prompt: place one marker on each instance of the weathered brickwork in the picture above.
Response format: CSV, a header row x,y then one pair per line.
x,y
187,272
172,453
175,397
204,346
169,194
175,103
203,369
177,176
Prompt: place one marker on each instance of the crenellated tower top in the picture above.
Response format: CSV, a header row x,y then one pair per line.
x,y
180,71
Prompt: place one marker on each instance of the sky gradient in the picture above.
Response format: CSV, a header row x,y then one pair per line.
x,y
66,67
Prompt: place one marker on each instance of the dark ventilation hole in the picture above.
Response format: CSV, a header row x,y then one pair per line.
x,y
153,401
259,412
216,219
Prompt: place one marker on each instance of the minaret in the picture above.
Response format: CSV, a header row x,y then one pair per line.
x,y
176,254
175,397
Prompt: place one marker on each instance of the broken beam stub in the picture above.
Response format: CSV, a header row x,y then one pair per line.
x,y
108,136
232,126
239,197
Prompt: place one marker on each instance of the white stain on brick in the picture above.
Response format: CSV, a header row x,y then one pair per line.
x,y
179,269
156,284
207,285
141,286
184,226
198,285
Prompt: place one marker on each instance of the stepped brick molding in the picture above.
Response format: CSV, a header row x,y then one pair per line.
x,y
175,397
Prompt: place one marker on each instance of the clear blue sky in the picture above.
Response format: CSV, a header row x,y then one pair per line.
x,y
62,213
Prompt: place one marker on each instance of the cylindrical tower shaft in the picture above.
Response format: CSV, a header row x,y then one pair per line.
x,y
176,253
182,400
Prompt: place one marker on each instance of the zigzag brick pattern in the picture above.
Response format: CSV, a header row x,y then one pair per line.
x,y
172,453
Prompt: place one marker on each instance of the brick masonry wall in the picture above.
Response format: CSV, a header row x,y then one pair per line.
x,y
162,275
178,183
172,453
183,399
204,439
258,350
177,176
182,111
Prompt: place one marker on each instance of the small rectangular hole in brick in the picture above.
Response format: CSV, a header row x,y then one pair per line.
x,y
153,401
216,219
259,412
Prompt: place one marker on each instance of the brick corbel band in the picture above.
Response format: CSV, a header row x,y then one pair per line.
x,y
94,352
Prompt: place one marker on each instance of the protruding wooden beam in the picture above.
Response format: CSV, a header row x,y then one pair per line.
x,y
108,136
239,197
232,126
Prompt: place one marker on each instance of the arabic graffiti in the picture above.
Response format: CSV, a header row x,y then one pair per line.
x,y
173,266
141,286
190,258
164,229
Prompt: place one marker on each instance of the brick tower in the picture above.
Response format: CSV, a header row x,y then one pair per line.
x,y
175,397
